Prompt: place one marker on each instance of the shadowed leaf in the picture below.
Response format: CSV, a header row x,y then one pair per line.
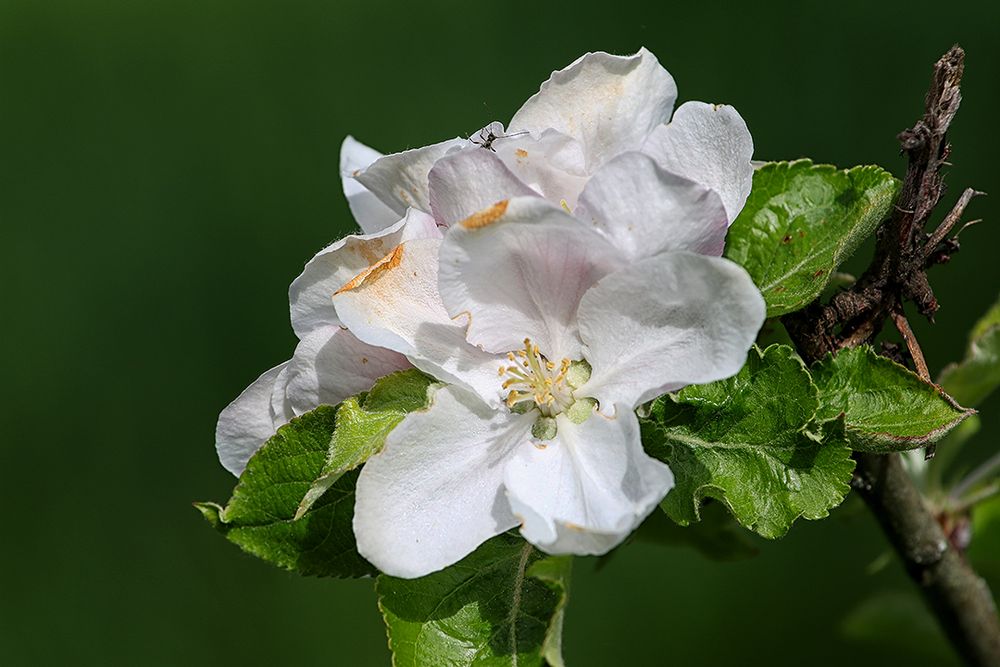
x,y
502,605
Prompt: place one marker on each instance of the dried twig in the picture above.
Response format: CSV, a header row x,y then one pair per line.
x,y
898,273
903,326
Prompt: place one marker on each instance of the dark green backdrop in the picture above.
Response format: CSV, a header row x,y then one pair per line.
x,y
167,166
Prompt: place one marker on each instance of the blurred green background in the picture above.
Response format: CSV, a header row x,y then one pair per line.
x,y
166,168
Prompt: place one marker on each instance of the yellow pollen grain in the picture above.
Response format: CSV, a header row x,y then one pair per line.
x,y
373,272
486,217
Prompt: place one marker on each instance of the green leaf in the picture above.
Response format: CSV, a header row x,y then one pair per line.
x,y
801,222
363,422
263,516
501,605
259,516
886,407
750,443
978,375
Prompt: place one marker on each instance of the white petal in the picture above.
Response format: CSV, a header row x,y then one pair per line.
x,y
371,214
281,407
608,103
519,269
584,491
645,210
400,180
331,364
552,163
666,322
434,492
246,423
468,181
310,295
395,304
710,144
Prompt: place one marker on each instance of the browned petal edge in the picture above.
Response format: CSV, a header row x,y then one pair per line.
x,y
487,216
387,263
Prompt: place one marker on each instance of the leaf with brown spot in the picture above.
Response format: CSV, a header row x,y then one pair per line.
x,y
790,201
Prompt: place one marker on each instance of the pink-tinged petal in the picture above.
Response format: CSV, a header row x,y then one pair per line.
x,y
471,180
372,215
247,423
518,270
666,322
395,304
311,294
331,364
584,491
400,180
711,145
434,493
608,103
645,210
552,163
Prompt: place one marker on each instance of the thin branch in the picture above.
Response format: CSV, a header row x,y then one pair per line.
x,y
949,222
903,326
959,598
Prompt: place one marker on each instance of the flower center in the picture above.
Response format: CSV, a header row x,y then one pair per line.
x,y
533,378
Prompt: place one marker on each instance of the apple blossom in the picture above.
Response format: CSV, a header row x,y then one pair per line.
x,y
562,335
548,332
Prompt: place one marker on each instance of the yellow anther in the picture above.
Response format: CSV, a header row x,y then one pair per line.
x,y
534,378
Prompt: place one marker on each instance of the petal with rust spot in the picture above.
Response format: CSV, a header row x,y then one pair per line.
x,y
487,216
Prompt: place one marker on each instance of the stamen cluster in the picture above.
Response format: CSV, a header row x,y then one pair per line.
x,y
533,378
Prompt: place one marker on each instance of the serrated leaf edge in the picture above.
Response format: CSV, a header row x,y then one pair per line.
x,y
700,493
874,437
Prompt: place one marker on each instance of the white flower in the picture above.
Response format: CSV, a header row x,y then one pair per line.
x,y
547,328
549,332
